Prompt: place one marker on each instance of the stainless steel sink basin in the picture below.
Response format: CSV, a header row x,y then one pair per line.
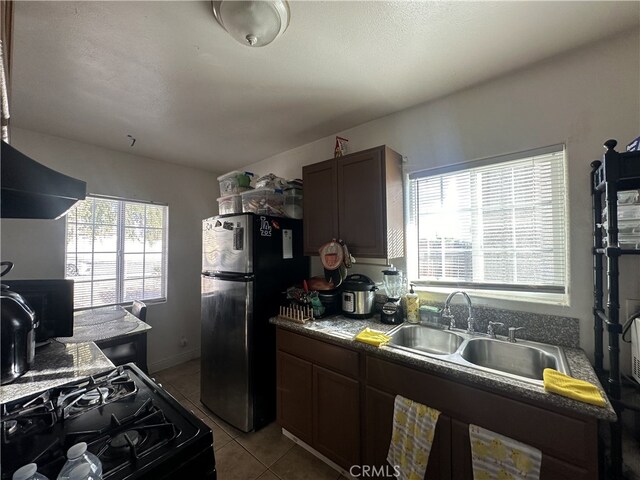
x,y
523,360
512,358
425,339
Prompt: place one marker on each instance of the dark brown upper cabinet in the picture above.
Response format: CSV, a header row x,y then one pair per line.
x,y
357,198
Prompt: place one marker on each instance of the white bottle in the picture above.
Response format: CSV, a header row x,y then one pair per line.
x,y
83,472
78,456
28,472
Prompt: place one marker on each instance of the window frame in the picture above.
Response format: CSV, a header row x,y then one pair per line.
x,y
120,252
487,289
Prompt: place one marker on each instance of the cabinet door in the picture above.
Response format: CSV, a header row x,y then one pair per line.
x,y
320,205
361,202
462,465
295,395
336,419
378,427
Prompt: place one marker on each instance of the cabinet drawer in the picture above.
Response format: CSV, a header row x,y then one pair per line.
x,y
324,354
561,436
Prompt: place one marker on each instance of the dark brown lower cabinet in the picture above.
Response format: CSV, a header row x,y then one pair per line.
x,y
551,468
568,442
461,466
378,427
319,396
336,417
295,395
340,401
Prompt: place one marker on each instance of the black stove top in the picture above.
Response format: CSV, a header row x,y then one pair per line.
x,y
137,430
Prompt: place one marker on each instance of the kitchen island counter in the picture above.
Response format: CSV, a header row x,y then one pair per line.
x,y
341,330
56,364
120,335
105,323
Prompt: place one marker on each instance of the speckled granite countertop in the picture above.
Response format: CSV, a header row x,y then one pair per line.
x,y
341,330
56,364
105,323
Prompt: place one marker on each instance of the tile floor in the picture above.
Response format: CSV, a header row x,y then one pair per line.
x,y
264,455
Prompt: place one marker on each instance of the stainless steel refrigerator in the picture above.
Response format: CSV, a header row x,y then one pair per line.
x,y
248,261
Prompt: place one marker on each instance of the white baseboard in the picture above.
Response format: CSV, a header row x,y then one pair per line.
x,y
174,360
314,452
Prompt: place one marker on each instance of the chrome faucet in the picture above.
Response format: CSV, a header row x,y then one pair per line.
x,y
446,313
512,333
491,331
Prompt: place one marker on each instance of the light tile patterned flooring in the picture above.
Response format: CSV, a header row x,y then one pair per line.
x,y
265,455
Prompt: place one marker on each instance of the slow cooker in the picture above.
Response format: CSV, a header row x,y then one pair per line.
x,y
358,294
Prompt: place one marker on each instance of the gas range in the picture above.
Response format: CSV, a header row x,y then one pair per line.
x,y
137,430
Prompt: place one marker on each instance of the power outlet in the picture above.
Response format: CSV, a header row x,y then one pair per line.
x,y
183,339
633,307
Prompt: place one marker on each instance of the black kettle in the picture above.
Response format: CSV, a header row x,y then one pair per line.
x,y
18,332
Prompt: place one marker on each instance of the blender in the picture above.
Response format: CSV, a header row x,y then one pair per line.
x,y
394,285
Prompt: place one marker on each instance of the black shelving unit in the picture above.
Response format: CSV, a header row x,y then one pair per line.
x,y
616,172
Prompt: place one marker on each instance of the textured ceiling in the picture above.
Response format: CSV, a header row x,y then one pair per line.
x,y
170,76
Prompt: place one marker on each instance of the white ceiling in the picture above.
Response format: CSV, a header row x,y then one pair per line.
x,y
170,76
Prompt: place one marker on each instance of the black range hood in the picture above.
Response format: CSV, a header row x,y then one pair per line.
x,y
31,190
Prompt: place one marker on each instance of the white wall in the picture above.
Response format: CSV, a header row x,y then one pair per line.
x,y
580,99
37,246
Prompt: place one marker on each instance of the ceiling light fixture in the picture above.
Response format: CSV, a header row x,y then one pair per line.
x,y
253,23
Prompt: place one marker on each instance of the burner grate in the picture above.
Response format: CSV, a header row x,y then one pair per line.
x,y
136,429
32,417
94,392
131,438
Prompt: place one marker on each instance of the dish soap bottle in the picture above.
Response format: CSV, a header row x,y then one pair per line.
x,y
78,456
413,306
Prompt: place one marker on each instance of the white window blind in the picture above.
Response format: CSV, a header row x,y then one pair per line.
x,y
116,251
496,224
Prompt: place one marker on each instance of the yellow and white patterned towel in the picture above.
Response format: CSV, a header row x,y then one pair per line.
x,y
498,457
414,426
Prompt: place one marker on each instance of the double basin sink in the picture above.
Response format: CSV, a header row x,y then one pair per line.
x,y
522,360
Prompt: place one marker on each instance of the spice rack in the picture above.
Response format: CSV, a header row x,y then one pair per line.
x,y
615,173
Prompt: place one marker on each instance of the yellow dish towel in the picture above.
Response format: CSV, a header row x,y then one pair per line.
x,y
495,456
372,337
414,426
570,387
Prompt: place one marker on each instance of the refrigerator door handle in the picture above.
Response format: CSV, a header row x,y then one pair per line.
x,y
238,277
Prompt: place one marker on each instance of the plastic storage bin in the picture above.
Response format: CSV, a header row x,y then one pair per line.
x,y
293,205
229,204
629,196
234,182
626,211
265,201
627,226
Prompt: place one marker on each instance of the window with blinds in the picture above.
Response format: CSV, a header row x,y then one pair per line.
x,y
116,251
497,224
